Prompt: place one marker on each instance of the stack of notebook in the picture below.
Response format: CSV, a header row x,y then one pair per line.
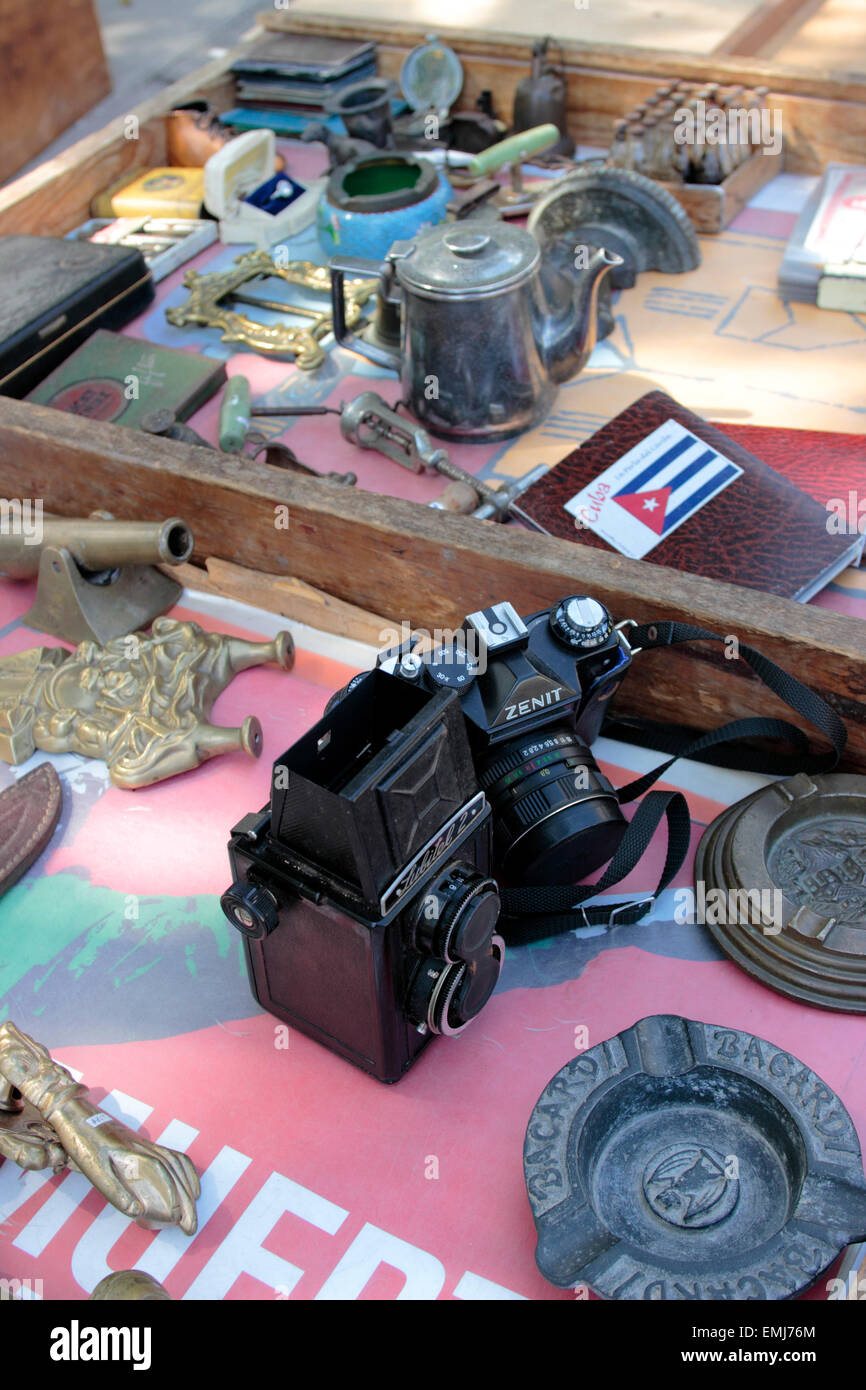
x,y
301,71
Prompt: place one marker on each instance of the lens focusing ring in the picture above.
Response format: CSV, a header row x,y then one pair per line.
x,y
450,909
550,826
508,761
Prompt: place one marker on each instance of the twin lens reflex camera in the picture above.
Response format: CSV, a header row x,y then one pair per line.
x,y
366,890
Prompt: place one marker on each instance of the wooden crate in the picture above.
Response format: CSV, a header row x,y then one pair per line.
x,y
395,557
52,70
712,207
407,561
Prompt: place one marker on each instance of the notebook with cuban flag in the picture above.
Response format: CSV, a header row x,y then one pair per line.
x,y
660,484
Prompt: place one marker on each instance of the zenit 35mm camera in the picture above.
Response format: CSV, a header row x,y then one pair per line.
x,y
534,692
362,890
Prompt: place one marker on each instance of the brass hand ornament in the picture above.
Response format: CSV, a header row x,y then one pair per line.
x,y
154,1186
24,1138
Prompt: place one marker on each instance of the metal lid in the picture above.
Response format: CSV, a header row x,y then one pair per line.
x,y
431,76
462,261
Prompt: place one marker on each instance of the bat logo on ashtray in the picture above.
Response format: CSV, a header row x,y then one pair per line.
x,y
688,1185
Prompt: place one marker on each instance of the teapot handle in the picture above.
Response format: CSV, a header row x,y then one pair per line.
x,y
356,266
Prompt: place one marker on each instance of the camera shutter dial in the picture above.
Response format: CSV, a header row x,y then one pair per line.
x,y
451,668
457,915
346,690
251,909
581,623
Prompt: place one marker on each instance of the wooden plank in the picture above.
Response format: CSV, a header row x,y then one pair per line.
x,y
56,197
430,568
290,598
514,50
762,26
834,37
52,70
823,115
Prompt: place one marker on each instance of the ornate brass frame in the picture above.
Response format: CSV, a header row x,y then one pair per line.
x,y
207,291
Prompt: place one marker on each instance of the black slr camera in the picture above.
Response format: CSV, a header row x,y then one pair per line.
x,y
534,693
363,890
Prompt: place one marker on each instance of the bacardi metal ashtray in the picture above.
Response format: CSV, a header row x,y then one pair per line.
x,y
684,1160
790,862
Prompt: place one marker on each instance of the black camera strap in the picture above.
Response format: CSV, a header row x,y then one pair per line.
x,y
533,914
799,697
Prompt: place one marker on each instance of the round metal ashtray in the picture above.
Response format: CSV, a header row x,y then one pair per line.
x,y
782,880
684,1160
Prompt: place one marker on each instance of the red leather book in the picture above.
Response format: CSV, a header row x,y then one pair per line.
x,y
823,463
661,484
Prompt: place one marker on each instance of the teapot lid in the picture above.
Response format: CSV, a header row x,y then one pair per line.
x,y
465,260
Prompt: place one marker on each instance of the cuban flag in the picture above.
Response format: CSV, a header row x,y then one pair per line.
x,y
639,500
678,481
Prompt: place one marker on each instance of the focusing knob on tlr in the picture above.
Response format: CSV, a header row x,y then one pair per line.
x,y
581,623
250,908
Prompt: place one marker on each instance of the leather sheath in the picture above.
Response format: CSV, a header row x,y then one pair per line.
x,y
29,811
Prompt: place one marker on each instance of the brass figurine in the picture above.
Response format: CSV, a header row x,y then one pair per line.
x,y
141,702
96,576
207,293
47,1121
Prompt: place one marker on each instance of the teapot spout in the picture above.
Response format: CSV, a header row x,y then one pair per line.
x,y
571,322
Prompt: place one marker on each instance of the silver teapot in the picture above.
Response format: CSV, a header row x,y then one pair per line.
x,y
488,330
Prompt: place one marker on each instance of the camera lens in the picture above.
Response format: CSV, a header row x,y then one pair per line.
x,y
445,997
458,914
555,815
455,921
